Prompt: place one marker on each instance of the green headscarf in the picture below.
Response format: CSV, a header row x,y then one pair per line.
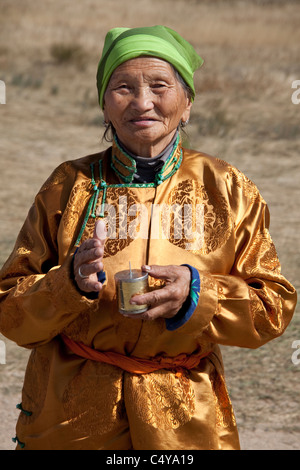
x,y
122,44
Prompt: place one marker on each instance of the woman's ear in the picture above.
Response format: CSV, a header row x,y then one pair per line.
x,y
106,119
187,112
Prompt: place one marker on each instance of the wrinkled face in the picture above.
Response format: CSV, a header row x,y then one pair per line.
x,y
145,103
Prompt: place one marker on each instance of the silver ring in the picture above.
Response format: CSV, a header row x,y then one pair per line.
x,y
81,275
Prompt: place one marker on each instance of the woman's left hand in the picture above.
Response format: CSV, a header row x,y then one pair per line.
x,y
168,300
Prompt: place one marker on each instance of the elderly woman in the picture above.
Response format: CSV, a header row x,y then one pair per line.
x,y
98,379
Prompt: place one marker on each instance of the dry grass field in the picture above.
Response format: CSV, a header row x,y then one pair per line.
x,y
243,113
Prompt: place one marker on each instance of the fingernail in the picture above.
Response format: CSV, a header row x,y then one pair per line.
x,y
147,268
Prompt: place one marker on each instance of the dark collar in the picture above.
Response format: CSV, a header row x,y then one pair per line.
x,y
126,166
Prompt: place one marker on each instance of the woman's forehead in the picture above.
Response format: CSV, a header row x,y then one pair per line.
x,y
148,66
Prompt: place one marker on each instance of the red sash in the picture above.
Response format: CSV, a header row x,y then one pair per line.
x,y
131,364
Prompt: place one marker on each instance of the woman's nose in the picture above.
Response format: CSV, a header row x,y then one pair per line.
x,y
143,99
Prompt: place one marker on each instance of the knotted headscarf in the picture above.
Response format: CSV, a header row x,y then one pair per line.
x,y
122,44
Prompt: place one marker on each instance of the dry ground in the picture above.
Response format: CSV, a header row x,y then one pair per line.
x,y
243,113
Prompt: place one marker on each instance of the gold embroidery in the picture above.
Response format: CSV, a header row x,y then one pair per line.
x,y
208,283
262,255
79,328
224,412
205,219
121,219
22,251
243,182
25,241
221,294
216,218
155,283
240,180
24,284
256,304
75,207
118,202
58,176
162,399
266,309
93,399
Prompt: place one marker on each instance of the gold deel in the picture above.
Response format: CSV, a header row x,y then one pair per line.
x,y
244,301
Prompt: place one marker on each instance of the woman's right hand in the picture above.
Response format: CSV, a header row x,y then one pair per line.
x,y
88,260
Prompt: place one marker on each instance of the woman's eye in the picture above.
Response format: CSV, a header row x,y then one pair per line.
x,y
158,86
123,87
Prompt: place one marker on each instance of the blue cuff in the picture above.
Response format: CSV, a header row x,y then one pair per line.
x,y
189,305
101,277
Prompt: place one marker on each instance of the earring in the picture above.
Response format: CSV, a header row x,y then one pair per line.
x,y
105,124
184,123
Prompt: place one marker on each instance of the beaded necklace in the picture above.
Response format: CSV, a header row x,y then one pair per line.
x,y
125,167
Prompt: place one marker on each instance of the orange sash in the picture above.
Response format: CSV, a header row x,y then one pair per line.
x,y
133,365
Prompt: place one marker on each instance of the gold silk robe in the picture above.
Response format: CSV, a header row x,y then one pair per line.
x,y
72,403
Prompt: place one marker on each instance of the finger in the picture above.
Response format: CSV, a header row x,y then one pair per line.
x,y
91,268
161,272
100,231
89,245
87,256
166,310
89,285
156,297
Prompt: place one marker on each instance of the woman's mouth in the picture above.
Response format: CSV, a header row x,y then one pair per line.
x,y
143,121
